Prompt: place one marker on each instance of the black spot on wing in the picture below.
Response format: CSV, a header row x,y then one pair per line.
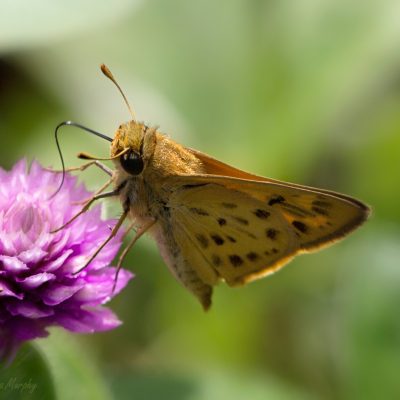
x,y
252,256
276,200
271,233
198,211
262,214
216,260
221,221
301,226
217,239
231,239
320,210
235,260
202,240
193,186
241,220
274,250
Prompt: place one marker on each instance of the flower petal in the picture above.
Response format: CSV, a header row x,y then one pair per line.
x,y
12,264
99,286
6,291
57,263
58,293
88,320
21,329
32,255
6,244
28,310
60,241
34,281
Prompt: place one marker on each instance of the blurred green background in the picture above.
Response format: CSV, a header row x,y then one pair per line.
x,y
306,91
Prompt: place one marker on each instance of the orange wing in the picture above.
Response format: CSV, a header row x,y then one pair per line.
x,y
319,217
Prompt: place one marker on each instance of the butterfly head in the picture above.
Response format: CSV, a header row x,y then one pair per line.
x,y
133,147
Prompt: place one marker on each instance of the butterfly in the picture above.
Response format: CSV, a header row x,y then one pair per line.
x,y
213,222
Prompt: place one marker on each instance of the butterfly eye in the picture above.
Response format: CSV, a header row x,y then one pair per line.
x,y
132,163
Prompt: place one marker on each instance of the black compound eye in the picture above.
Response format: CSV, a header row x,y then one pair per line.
x,y
132,163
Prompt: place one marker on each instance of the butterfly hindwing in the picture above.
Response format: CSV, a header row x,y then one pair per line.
x,y
227,234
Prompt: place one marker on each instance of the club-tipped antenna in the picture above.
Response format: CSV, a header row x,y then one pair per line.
x,y
105,70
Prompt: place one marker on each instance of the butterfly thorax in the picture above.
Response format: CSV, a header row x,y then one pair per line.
x,y
162,159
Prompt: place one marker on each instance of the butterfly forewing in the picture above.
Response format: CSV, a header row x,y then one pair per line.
x,y
317,217
330,215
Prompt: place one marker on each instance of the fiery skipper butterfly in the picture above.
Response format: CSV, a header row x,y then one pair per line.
x,y
213,222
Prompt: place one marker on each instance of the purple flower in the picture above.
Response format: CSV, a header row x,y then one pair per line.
x,y
38,287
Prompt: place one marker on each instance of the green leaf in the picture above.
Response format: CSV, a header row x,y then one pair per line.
x,y
73,369
28,377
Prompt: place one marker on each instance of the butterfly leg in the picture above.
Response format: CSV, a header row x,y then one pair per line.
x,y
98,191
82,167
129,229
86,207
113,233
142,229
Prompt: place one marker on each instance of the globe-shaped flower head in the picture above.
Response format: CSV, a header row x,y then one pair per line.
x,y
39,286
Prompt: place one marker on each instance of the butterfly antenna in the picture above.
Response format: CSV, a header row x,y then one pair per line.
x,y
71,123
105,70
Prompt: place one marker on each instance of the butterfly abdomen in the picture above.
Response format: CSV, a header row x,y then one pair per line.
x,y
178,265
